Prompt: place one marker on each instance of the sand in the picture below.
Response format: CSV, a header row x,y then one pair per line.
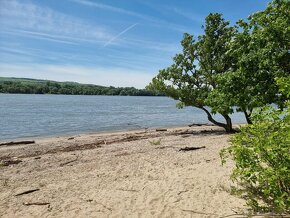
x,y
126,174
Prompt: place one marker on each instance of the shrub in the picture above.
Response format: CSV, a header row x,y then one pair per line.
x,y
261,152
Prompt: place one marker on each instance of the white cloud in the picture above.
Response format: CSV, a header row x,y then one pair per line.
x,y
131,53
41,36
33,20
110,8
119,77
133,63
154,21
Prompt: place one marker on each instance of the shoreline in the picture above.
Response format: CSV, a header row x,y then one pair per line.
x,y
107,136
129,173
72,134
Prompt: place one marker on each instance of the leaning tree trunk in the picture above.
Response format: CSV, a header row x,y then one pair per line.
x,y
227,126
248,116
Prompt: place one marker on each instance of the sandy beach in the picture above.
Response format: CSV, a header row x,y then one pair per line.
x,y
144,173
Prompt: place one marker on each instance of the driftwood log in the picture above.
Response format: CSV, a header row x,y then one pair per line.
x,y
36,203
191,148
27,192
200,124
10,162
17,143
161,130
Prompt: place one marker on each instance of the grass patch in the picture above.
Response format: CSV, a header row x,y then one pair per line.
x,y
155,142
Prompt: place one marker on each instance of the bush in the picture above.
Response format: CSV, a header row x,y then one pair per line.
x,y
261,152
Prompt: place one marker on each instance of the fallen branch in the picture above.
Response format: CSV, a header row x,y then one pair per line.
x,y
184,191
236,214
127,190
36,203
122,154
161,130
28,192
68,162
119,139
9,162
191,148
197,212
17,143
200,124
211,131
164,147
195,124
184,132
185,136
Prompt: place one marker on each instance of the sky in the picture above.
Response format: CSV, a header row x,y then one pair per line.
x,y
120,43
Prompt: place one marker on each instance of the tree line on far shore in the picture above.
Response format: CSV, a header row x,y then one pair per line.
x,y
32,86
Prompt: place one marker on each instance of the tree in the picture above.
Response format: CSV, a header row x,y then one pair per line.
x,y
31,86
260,53
192,76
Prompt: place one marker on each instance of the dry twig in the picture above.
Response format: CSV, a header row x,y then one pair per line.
x,y
27,192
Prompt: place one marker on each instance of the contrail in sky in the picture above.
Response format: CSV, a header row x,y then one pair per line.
x,y
121,33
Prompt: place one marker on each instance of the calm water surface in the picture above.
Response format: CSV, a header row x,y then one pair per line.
x,y
23,116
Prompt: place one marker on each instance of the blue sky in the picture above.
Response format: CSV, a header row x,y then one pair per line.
x,y
104,42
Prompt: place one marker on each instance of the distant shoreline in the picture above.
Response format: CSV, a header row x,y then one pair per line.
x,y
13,85
2,93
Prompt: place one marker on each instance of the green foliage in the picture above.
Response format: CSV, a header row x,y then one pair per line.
x,y
261,152
192,76
260,53
284,85
31,86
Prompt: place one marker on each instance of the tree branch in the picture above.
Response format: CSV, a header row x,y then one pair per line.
x,y
210,118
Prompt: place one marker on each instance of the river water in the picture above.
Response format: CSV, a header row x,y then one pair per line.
x,y
24,116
